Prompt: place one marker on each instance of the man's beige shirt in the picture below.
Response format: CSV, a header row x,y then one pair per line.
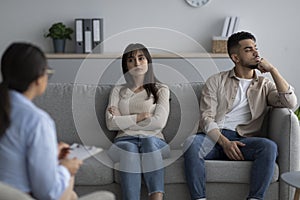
x,y
218,95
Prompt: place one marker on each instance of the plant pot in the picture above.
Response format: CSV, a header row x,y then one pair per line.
x,y
59,45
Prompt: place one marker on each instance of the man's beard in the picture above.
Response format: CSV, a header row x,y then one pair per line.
x,y
252,66
249,65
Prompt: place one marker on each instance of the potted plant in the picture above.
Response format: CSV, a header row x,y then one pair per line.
x,y
59,33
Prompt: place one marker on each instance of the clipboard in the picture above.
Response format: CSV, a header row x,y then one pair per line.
x,y
83,152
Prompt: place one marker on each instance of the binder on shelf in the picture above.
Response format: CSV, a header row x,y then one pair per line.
x,y
97,35
87,33
79,35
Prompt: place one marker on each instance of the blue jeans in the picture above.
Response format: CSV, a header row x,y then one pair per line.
x,y
200,147
140,155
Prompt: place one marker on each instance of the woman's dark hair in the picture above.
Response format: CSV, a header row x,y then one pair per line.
x,y
21,64
234,39
150,80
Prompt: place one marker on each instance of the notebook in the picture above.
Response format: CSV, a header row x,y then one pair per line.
x,y
83,152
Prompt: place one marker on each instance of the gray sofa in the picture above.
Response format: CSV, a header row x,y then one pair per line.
x,y
79,113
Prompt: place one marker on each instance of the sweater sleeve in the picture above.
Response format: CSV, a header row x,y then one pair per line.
x,y
115,123
160,115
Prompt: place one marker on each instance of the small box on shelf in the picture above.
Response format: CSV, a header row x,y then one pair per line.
x,y
219,44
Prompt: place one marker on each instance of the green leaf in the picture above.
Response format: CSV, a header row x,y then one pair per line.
x,y
297,112
59,31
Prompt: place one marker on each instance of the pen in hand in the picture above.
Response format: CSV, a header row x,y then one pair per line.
x,y
64,152
67,149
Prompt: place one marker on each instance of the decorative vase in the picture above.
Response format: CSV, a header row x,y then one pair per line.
x,y
59,45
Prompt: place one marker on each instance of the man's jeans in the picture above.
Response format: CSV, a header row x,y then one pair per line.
x,y
140,155
200,147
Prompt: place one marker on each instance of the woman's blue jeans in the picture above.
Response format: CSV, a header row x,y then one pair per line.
x,y
200,147
140,155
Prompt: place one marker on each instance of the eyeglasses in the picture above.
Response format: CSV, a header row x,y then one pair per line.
x,y
49,72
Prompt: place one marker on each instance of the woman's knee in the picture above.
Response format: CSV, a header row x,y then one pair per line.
x,y
121,149
151,144
127,146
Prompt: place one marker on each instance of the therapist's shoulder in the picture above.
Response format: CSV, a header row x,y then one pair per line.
x,y
36,116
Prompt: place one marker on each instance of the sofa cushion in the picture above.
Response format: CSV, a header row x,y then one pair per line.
x,y
184,113
79,112
57,101
96,170
232,171
217,171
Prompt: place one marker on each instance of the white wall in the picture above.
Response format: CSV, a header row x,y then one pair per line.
x,y
276,24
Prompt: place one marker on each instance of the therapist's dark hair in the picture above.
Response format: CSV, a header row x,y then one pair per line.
x,y
21,64
150,80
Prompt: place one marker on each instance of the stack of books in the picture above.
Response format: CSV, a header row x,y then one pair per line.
x,y
230,26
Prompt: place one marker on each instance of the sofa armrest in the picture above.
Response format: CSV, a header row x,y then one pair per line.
x,y
283,128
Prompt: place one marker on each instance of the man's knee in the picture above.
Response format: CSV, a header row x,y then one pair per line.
x,y
270,147
192,145
267,148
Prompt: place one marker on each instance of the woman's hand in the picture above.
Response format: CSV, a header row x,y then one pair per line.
x,y
140,117
114,111
71,164
143,116
63,150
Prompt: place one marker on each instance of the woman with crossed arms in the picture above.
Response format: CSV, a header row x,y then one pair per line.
x,y
139,110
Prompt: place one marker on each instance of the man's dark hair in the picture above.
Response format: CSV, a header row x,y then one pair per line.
x,y
234,39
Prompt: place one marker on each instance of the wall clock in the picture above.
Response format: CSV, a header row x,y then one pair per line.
x,y
197,3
